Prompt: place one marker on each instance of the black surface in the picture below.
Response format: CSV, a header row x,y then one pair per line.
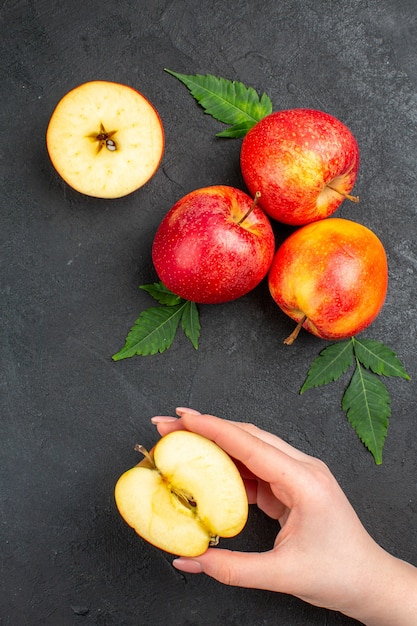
x,y
71,267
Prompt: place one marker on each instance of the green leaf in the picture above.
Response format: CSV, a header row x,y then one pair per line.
x,y
153,331
236,131
190,323
367,404
162,294
379,358
230,102
331,363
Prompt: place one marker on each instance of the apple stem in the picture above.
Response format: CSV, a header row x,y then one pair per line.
x,y
252,206
143,450
291,338
345,195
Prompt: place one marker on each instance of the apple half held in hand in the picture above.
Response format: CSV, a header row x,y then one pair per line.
x,y
214,245
105,139
184,495
331,277
303,161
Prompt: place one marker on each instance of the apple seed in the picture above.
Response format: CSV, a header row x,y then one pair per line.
x,y
185,500
104,139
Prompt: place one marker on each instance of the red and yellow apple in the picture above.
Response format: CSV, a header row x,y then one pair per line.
x,y
184,495
214,245
304,162
331,277
105,139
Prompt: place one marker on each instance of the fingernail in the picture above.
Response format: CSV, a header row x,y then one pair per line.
x,y
182,409
162,419
189,566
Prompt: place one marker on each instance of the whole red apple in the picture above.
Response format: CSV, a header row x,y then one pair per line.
x,y
214,245
304,162
331,277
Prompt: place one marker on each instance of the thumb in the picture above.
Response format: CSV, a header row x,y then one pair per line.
x,y
239,569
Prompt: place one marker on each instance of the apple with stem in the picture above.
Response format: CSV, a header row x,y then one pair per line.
x,y
105,139
214,245
184,495
331,277
303,161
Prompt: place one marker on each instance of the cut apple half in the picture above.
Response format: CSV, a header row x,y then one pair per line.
x,y
105,139
184,495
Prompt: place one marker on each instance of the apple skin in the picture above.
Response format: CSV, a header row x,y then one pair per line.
x,y
292,157
152,497
200,251
335,273
79,149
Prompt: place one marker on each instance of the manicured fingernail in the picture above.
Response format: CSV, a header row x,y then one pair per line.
x,y
182,409
189,566
163,419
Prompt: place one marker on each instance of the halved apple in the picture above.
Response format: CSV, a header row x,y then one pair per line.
x,y
105,139
184,495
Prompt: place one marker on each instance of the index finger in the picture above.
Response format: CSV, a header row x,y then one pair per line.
x,y
263,459
167,424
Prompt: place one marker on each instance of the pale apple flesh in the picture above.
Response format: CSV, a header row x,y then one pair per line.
x,y
331,277
303,161
105,139
191,495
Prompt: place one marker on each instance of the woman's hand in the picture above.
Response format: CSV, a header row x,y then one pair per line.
x,y
322,553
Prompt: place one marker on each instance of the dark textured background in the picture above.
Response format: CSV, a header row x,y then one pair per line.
x,y
71,267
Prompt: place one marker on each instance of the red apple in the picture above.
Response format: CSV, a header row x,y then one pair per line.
x,y
304,162
105,139
331,277
214,245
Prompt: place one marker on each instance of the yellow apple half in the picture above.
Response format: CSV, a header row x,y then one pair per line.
x,y
187,495
105,139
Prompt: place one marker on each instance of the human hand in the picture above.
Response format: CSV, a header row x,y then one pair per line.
x,y
322,553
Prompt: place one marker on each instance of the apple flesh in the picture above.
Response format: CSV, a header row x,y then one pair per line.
x,y
105,139
214,245
184,495
331,277
304,162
